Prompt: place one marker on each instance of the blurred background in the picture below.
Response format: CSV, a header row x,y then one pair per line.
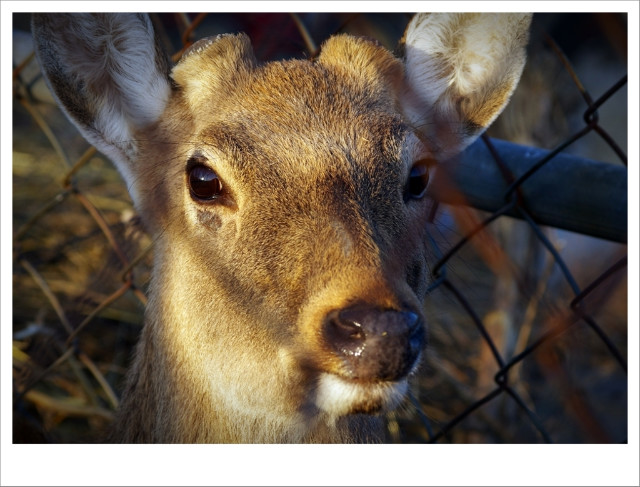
x,y
510,360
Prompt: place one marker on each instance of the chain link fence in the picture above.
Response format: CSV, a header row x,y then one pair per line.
x,y
528,322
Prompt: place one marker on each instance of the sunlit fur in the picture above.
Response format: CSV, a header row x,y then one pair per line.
x,y
314,158
337,396
461,71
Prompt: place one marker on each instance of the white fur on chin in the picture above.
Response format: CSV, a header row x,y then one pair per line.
x,y
338,396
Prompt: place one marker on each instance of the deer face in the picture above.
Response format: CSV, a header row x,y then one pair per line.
x,y
298,188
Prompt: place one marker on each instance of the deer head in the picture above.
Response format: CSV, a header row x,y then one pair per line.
x,y
287,206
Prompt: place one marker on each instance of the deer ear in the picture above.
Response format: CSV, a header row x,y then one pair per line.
x,y
109,75
212,65
365,59
460,71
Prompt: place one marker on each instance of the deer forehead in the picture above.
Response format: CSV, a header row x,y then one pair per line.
x,y
296,119
293,147
218,66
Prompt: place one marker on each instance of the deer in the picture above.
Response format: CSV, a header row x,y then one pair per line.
x,y
287,202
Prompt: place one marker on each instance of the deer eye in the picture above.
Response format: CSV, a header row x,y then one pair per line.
x,y
204,183
417,182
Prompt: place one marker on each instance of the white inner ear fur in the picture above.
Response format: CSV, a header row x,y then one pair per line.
x,y
131,92
129,57
461,68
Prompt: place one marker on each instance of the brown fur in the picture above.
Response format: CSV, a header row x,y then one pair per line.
x,y
314,159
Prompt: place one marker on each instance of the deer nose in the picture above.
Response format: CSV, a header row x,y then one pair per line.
x,y
375,344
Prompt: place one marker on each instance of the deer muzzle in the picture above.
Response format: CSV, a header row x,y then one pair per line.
x,y
374,345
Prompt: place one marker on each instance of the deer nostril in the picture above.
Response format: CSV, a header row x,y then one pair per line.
x,y
375,344
345,336
416,332
411,319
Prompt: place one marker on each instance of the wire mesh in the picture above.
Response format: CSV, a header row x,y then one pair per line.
x,y
527,323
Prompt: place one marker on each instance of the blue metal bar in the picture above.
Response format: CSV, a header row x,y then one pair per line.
x,y
568,192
